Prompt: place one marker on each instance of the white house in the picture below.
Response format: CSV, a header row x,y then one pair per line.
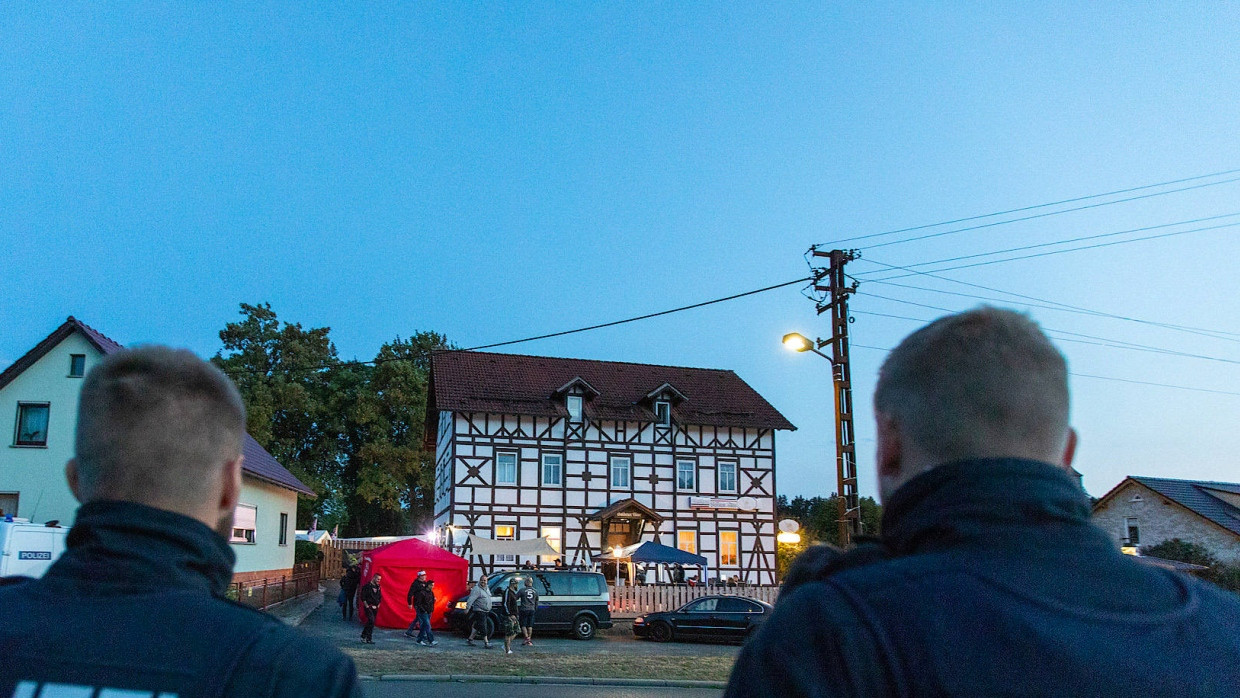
x,y
1145,511
39,394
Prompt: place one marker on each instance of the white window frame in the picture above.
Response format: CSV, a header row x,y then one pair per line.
x,y
1131,523
511,535
692,486
735,469
735,545
628,472
554,536
575,415
559,472
692,541
284,529
516,467
241,534
662,417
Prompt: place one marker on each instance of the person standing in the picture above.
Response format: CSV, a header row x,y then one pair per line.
x,y
418,584
478,605
348,585
424,605
528,603
372,596
511,605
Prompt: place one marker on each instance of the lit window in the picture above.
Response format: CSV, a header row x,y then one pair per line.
x,y
554,536
620,471
687,541
727,477
553,469
245,523
505,468
32,424
1134,532
574,408
663,413
77,365
505,533
728,548
686,475
283,528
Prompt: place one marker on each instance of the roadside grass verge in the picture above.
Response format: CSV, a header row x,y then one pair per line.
x,y
375,662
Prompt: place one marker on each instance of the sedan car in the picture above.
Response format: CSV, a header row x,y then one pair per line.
x,y
710,618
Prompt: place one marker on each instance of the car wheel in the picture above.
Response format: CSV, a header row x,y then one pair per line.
x,y
583,628
661,632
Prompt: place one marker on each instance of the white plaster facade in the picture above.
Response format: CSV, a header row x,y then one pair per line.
x,y
1159,519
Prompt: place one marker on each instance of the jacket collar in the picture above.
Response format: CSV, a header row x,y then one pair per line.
x,y
127,546
984,500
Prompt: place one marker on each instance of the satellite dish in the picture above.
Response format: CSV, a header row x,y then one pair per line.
x,y
789,526
746,504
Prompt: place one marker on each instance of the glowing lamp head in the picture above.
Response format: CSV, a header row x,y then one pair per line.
x,y
788,537
795,341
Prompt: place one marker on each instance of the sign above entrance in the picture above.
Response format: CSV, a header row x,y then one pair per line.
x,y
743,503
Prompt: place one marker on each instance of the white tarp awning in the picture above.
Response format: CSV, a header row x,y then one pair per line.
x,y
530,546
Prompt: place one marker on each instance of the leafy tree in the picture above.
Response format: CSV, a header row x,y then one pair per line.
x,y
819,519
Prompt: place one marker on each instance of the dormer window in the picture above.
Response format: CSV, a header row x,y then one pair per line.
x,y
663,413
573,403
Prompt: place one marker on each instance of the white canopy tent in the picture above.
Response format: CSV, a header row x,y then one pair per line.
x,y
530,546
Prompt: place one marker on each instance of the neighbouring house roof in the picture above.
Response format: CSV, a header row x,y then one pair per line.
x,y
470,381
258,462
1193,495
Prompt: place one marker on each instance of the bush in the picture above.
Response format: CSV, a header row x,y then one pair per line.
x,y
1181,551
305,551
1226,576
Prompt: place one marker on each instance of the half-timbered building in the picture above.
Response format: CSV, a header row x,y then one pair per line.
x,y
595,455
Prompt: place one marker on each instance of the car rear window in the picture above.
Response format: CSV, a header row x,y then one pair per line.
x,y
586,584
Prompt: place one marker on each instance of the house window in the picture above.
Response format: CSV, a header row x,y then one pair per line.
x,y
728,548
686,475
77,365
663,413
283,528
8,503
620,471
32,423
574,408
687,541
505,533
1134,531
552,469
505,468
555,537
245,523
727,477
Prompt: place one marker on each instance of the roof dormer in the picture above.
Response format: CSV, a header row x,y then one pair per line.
x,y
575,393
661,400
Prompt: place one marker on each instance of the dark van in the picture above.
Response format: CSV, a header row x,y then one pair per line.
x,y
567,601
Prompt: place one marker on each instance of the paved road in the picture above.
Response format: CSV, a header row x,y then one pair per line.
x,y
420,689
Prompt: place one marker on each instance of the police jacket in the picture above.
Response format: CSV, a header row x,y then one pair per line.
x,y
137,604
990,580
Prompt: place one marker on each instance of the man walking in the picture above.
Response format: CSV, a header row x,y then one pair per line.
x,y
511,604
424,606
136,605
348,585
478,606
989,578
418,583
528,599
372,597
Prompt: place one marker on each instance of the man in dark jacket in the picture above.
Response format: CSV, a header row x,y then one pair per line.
x,y
136,605
989,578
418,584
424,606
348,584
372,598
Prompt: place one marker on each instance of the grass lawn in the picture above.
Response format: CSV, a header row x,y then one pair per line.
x,y
374,662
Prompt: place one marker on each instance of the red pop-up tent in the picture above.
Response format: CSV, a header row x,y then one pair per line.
x,y
399,564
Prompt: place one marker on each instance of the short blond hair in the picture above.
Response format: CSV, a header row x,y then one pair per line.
x,y
983,383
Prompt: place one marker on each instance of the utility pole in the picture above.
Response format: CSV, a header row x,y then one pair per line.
x,y
832,293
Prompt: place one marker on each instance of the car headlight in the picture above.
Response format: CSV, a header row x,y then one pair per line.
x,y
460,605
640,620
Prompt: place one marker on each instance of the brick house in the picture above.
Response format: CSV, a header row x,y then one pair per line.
x,y
1145,511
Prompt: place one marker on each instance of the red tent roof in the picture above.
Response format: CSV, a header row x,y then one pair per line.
x,y
414,548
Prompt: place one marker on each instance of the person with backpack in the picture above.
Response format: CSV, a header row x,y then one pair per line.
x,y
528,603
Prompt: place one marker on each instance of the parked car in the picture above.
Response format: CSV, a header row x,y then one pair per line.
x,y
710,618
576,602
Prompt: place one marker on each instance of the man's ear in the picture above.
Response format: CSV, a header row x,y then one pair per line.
x,y
1069,450
889,447
71,474
230,493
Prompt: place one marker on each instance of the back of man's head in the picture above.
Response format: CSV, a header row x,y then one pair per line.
x,y
157,426
985,383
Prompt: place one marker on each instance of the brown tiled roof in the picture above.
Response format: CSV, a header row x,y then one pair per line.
x,y
470,381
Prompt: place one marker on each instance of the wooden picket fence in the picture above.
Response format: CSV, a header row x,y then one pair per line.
x,y
633,601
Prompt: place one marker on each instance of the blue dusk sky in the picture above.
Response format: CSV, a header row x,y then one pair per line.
x,y
496,171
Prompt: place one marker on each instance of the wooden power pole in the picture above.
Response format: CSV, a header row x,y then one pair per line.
x,y
830,281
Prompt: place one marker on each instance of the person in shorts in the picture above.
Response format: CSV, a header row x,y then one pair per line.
x,y
511,606
527,603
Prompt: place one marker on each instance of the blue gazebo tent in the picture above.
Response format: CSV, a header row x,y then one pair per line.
x,y
654,553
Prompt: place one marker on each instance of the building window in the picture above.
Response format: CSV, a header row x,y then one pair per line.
x,y
32,423
77,365
728,548
553,469
245,524
505,468
1134,532
283,528
505,533
620,471
555,537
727,477
574,408
687,541
686,475
8,503
663,413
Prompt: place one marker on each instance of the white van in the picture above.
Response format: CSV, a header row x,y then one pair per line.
x,y
28,549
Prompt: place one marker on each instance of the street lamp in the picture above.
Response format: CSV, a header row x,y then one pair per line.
x,y
795,341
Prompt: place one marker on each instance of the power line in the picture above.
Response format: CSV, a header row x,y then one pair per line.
x,y
1037,206
1038,215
